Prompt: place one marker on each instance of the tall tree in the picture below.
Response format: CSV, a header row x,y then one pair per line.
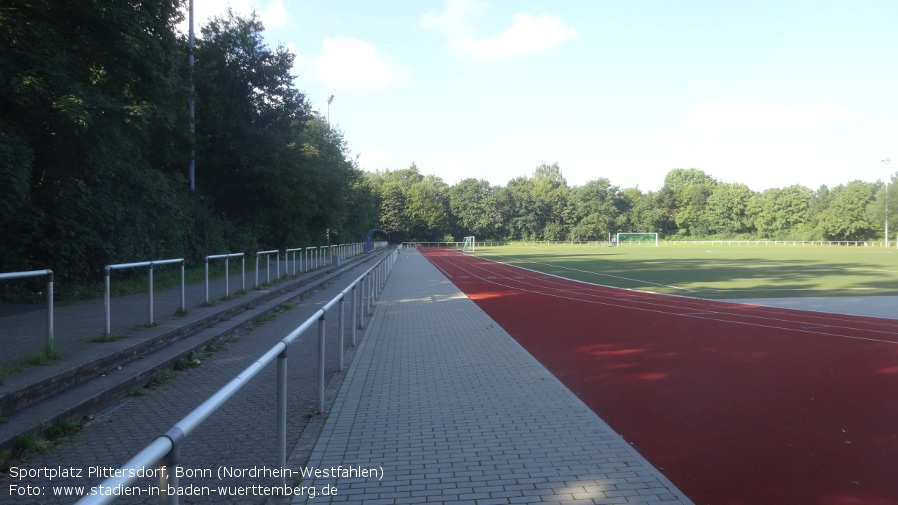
x,y
252,128
727,210
690,188
782,213
847,217
92,131
472,202
593,210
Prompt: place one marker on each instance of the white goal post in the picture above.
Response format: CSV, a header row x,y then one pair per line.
x,y
644,239
469,244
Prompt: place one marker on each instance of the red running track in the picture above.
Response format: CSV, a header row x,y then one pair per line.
x,y
735,404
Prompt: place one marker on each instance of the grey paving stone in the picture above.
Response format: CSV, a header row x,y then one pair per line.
x,y
455,411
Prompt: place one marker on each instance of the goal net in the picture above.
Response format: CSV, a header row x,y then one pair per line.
x,y
643,239
469,244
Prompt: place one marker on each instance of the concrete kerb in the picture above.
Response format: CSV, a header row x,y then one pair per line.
x,y
168,345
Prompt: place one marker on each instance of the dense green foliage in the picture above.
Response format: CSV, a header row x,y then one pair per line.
x,y
95,145
95,149
691,204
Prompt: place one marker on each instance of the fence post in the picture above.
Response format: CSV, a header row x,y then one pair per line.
x,y
50,338
340,339
168,479
106,300
150,288
282,414
183,289
354,327
321,322
206,261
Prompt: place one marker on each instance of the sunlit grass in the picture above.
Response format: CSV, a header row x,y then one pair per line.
x,y
719,272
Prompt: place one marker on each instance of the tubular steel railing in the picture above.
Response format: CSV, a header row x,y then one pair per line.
x,y
39,273
149,265
267,255
164,452
226,257
287,258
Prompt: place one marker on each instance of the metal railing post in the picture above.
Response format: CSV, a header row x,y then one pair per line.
x,y
372,283
106,300
282,414
50,337
50,317
321,322
183,289
340,338
354,305
206,261
168,480
150,289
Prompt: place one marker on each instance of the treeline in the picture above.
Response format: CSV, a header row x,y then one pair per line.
x,y
95,144
690,205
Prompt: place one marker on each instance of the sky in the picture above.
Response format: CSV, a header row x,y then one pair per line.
x,y
767,93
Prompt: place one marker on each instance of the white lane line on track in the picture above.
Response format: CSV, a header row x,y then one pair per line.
x,y
641,281
653,309
691,303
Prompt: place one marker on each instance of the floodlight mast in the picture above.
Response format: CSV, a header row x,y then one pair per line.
x,y
888,178
329,100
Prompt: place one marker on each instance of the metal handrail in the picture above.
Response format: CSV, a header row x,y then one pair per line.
x,y
107,301
39,273
267,255
164,451
227,258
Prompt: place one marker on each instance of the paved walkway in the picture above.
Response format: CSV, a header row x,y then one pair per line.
x,y
441,405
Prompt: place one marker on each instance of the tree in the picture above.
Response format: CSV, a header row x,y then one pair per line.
x,y
847,217
640,212
258,146
473,204
727,210
782,213
593,210
93,108
885,206
690,189
428,209
549,192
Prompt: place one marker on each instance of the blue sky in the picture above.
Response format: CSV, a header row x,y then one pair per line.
x,y
765,93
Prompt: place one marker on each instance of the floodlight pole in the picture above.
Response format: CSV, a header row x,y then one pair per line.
x,y
888,178
329,100
191,171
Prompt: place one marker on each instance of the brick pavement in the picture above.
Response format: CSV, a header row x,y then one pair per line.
x,y
445,407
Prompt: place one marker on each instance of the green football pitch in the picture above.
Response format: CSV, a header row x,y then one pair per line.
x,y
718,272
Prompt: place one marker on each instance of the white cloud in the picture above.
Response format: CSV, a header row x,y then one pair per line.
x,y
453,22
527,34
724,116
351,63
273,14
372,159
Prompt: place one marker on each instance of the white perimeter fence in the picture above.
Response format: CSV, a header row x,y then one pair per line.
x,y
163,453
